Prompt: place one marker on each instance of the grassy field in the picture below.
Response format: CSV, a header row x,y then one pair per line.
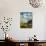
x,y
25,25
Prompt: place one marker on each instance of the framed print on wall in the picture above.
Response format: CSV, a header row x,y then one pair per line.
x,y
25,19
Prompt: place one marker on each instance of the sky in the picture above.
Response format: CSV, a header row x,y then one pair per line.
x,y
26,16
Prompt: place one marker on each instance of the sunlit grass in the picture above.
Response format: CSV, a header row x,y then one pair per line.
x,y
25,25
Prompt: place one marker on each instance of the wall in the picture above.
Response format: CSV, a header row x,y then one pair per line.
x,y
12,8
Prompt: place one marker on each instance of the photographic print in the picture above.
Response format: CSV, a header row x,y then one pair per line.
x,y
25,19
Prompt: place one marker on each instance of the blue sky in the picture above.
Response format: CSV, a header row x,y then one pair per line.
x,y
26,16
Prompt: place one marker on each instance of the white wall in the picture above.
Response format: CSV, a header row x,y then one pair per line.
x,y
12,8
